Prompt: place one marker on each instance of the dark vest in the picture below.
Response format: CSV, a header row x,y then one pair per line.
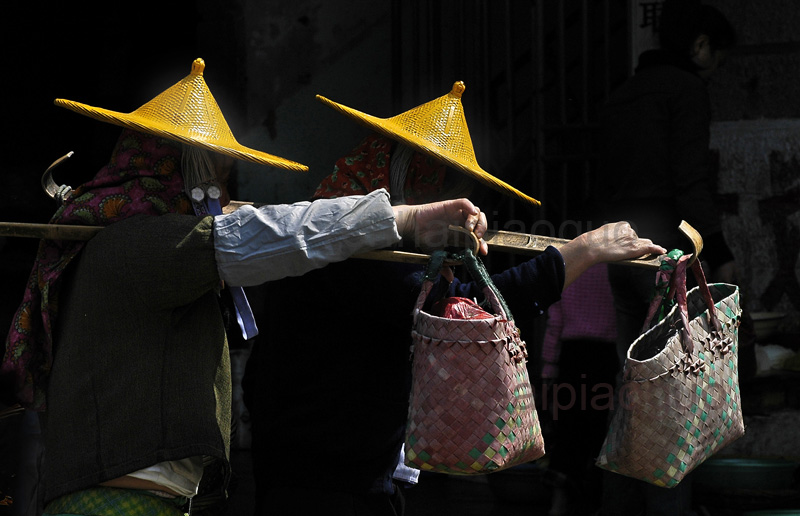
x,y
141,372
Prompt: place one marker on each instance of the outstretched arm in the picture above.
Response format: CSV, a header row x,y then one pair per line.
x,y
255,245
609,243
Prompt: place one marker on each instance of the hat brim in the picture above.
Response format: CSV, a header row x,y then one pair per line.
x,y
131,121
391,130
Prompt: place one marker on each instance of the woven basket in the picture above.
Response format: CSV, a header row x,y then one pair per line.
x,y
471,409
679,402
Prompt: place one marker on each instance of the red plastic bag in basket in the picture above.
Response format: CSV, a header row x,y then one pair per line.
x,y
459,308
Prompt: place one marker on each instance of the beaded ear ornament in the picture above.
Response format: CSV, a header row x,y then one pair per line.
x,y
200,178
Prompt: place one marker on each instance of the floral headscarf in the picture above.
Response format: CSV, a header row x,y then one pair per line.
x,y
367,169
142,177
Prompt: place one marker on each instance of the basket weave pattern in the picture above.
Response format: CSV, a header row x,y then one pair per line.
x,y
678,407
471,408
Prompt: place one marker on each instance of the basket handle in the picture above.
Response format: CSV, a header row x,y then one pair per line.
x,y
435,263
678,289
476,270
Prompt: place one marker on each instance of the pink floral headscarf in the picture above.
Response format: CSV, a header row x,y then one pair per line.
x,y
142,177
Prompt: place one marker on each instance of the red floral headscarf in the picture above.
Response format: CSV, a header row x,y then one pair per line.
x,y
367,169
142,177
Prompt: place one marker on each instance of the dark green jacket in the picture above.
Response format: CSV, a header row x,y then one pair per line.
x,y
141,371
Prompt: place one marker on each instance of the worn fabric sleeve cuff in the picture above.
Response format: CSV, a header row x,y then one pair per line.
x,y
253,246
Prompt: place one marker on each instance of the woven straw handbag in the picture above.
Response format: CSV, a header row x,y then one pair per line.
x,y
679,402
471,409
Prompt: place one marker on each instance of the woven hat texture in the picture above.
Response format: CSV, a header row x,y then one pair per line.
x,y
437,128
471,409
679,407
186,112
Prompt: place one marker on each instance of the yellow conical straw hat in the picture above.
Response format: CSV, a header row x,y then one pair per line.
x,y
438,129
188,113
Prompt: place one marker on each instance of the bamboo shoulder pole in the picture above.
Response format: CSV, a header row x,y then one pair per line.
x,y
501,241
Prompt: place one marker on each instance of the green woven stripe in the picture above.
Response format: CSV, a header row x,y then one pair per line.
x,y
109,500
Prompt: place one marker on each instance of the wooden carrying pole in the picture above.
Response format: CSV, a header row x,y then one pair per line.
x,y
48,231
502,241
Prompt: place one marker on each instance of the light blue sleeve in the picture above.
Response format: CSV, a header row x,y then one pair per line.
x,y
255,245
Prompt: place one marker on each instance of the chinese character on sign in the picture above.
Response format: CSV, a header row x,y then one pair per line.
x,y
643,18
650,14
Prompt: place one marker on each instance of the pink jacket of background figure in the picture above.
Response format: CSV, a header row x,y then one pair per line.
x,y
585,311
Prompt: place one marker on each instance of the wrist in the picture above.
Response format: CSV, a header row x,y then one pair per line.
x,y
590,251
404,220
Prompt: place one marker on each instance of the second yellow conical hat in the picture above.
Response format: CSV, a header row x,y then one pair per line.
x,y
437,128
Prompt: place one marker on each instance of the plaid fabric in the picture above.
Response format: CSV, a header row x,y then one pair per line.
x,y
110,501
